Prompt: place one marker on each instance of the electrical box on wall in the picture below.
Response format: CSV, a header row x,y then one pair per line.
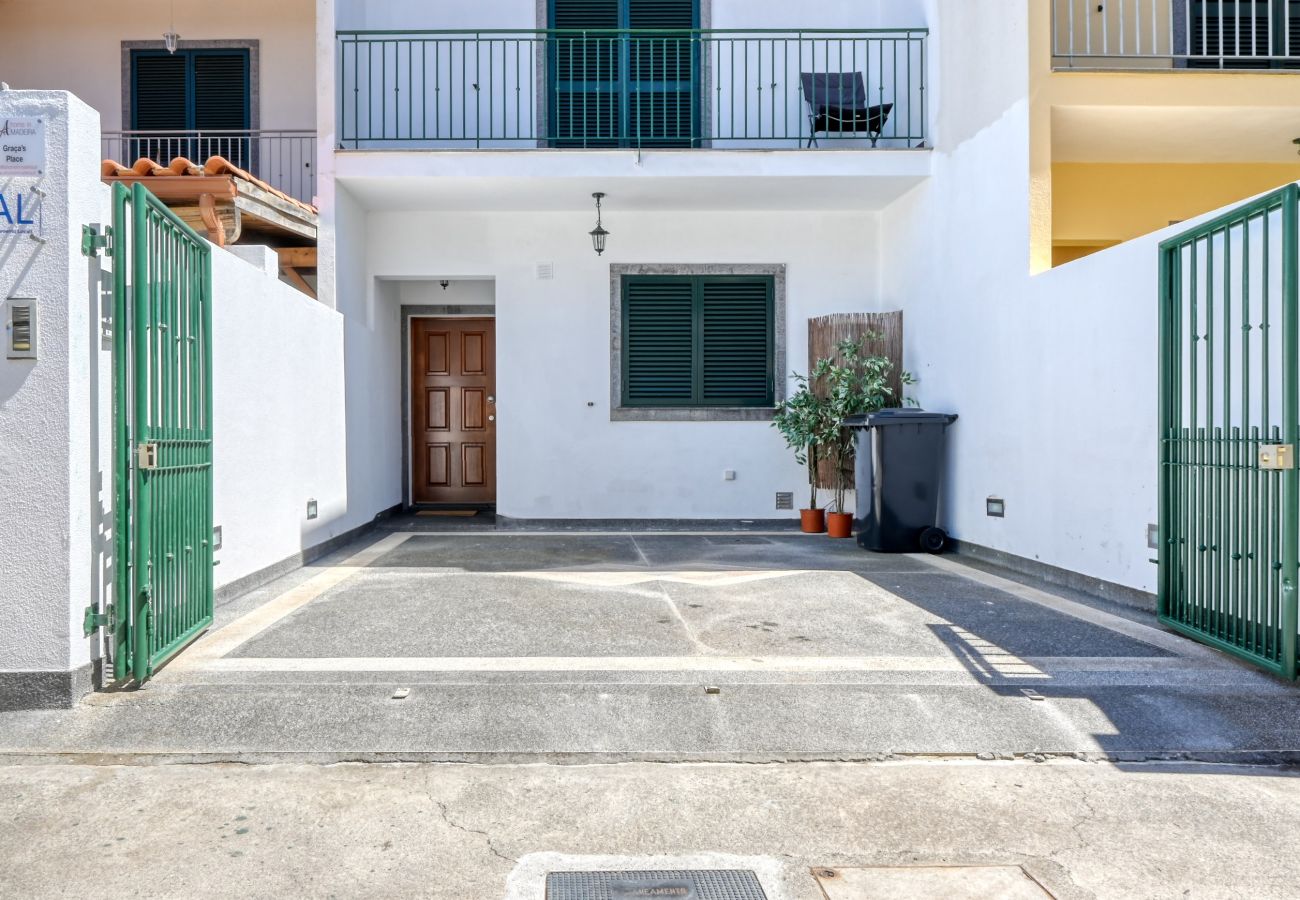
x,y
20,328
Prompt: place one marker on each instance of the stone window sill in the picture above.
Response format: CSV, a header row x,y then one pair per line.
x,y
691,414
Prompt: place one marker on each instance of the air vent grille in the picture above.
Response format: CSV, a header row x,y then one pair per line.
x,y
784,500
20,328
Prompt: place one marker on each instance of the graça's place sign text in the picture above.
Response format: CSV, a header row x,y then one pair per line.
x,y
22,147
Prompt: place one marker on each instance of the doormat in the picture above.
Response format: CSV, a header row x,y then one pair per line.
x,y
447,512
685,884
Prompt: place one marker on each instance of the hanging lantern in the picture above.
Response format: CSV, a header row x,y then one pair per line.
x,y
171,39
598,234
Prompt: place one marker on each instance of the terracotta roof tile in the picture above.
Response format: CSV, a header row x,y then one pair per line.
x,y
181,167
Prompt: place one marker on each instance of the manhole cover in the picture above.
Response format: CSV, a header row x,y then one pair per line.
x,y
686,884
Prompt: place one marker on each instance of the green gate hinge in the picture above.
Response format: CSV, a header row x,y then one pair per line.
x,y
96,620
93,241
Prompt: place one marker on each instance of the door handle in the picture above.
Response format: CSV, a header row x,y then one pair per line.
x,y
492,418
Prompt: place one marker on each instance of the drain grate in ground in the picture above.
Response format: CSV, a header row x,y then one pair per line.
x,y
685,884
930,883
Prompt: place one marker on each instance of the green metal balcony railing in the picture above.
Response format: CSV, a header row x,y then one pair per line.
x,y
632,88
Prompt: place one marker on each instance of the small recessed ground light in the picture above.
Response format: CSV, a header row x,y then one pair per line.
x,y
996,507
401,694
712,689
312,510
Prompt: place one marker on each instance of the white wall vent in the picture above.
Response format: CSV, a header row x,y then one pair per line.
x,y
545,271
785,500
20,328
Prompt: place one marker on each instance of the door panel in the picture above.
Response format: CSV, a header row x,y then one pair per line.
x,y
453,429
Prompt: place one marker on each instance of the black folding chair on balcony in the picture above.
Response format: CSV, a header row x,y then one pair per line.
x,y
837,105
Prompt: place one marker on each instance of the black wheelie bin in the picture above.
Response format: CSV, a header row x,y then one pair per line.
x,y
899,469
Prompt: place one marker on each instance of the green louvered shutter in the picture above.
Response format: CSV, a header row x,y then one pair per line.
x,y
697,340
664,73
736,335
221,104
607,89
160,102
192,89
585,91
658,341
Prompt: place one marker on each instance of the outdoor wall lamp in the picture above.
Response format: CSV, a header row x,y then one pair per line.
x,y
598,234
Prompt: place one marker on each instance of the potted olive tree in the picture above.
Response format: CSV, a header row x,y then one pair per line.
x,y
804,421
855,383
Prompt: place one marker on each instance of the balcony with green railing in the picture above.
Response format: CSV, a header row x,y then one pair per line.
x,y
632,88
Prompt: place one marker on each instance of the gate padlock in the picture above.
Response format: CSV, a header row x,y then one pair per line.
x,y
1276,456
147,456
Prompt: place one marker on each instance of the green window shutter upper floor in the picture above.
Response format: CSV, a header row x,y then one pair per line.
x,y
581,14
662,14
161,93
698,341
191,89
221,91
615,89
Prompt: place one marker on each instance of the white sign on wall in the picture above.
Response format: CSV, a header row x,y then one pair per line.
x,y
22,147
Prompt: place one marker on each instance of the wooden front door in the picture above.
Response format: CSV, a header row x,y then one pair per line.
x,y
453,411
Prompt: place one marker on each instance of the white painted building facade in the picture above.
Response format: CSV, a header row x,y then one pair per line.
x,y
1053,372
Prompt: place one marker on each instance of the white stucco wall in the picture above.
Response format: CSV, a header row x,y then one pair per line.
x,y
558,456
278,428
52,514
1054,376
76,46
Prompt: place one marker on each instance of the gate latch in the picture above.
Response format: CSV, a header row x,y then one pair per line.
x,y
147,456
1276,456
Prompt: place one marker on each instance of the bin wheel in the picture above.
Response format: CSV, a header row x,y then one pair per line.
x,y
934,540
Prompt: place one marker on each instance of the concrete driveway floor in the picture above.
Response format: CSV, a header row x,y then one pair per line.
x,y
717,646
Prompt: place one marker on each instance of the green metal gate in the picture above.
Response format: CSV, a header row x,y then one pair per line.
x,y
1229,430
162,433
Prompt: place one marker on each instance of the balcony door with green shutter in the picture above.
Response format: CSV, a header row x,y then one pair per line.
x,y
623,73
195,102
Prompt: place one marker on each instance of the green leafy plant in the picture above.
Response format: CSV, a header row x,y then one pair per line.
x,y
851,384
855,383
803,420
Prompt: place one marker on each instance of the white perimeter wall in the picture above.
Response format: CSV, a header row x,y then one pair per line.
x,y
559,455
278,427
279,434
1054,376
72,45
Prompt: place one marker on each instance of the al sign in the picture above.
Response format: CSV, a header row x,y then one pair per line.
x,y
22,147
17,212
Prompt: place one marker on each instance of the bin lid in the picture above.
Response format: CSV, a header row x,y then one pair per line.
x,y
899,417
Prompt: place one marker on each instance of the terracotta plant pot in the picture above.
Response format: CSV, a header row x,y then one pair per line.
x,y
812,521
839,525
